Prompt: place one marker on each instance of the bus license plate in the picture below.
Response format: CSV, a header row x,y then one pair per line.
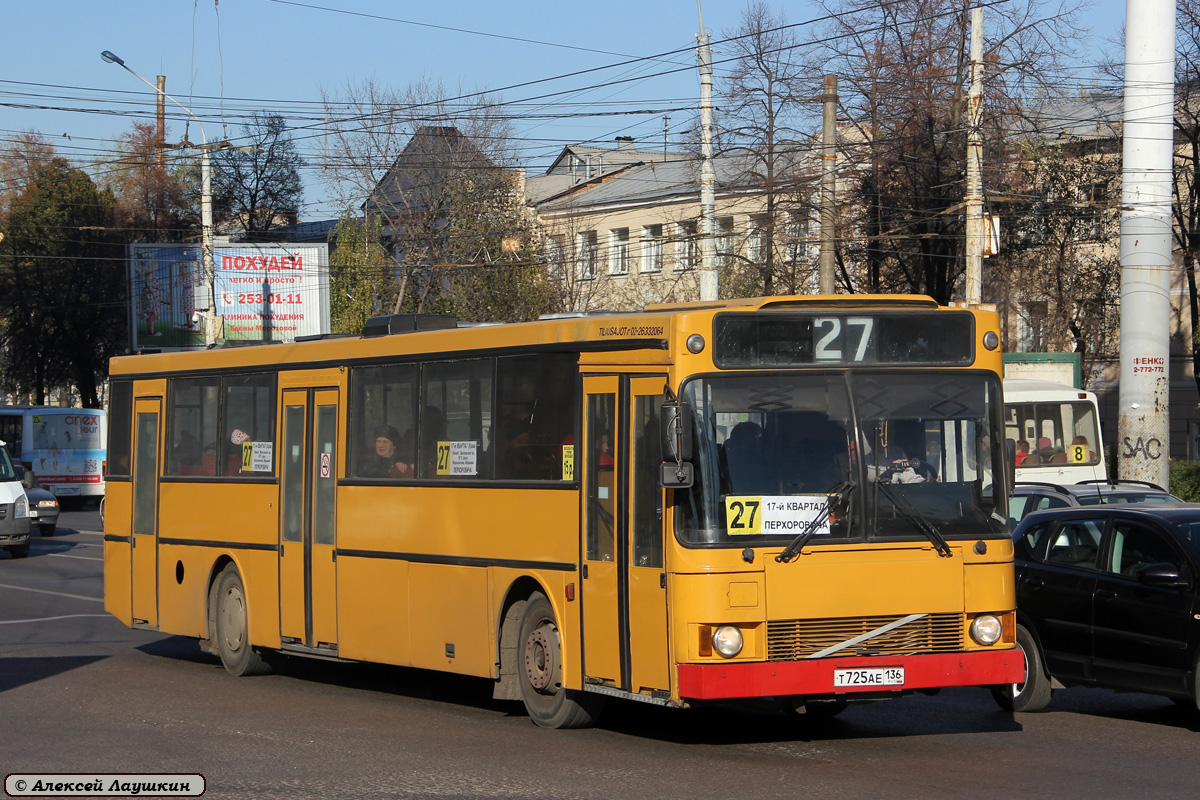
x,y
869,676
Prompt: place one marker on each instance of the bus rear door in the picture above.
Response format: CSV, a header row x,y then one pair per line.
x,y
307,561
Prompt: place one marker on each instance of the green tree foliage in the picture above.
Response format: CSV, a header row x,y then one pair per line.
x,y
62,285
256,184
358,273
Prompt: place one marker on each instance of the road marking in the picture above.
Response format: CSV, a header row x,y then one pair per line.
x,y
47,591
51,619
81,558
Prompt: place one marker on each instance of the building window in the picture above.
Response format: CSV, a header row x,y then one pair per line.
x,y
1031,327
756,242
652,248
726,247
556,254
799,235
586,251
687,246
618,251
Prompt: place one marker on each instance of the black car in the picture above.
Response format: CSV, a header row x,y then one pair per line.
x,y
1107,596
1030,497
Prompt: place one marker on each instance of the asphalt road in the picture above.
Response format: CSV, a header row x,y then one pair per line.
x,y
81,693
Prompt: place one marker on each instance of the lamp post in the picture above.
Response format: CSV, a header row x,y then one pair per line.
x,y
210,322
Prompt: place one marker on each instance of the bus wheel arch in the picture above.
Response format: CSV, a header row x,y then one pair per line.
x,y
230,629
539,649
508,631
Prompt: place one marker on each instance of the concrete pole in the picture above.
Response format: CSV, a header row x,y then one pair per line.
x,y
708,204
162,124
974,195
828,184
1143,440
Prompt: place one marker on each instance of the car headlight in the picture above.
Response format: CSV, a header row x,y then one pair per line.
x,y
47,504
21,507
986,629
727,640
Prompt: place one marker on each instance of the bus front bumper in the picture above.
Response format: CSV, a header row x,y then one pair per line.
x,y
816,677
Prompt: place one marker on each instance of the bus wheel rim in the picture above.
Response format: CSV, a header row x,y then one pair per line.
x,y
540,658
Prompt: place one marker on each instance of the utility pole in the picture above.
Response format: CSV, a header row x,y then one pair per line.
x,y
1143,428
213,325
708,268
828,184
162,125
974,196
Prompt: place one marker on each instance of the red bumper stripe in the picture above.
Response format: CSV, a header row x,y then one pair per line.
x,y
815,677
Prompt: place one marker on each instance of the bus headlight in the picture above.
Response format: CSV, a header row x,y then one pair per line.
x,y
986,629
727,640
21,507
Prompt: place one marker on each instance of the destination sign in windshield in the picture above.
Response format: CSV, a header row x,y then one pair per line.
x,y
789,340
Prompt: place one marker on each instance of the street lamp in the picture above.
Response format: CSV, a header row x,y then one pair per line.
x,y
210,322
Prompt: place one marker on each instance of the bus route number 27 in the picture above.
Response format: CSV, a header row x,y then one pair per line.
x,y
742,516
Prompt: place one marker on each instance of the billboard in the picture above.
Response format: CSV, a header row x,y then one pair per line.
x,y
265,292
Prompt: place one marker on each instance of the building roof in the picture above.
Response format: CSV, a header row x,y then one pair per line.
x,y
430,158
1097,117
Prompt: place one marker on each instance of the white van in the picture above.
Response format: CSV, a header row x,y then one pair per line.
x,y
14,509
1055,432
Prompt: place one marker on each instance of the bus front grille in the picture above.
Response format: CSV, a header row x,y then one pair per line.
x,y
793,639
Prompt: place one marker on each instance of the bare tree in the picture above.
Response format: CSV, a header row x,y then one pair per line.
x,y
440,175
20,159
1186,206
903,67
257,183
767,107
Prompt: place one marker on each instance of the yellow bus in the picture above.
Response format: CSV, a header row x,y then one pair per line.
x,y
797,500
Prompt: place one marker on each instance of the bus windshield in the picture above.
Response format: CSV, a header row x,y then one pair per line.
x,y
771,448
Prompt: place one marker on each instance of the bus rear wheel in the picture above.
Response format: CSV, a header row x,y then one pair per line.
x,y
232,628
548,703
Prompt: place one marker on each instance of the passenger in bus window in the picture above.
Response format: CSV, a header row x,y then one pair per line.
x,y
1022,451
1045,450
386,461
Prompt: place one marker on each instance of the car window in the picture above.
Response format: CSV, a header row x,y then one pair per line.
x,y
1135,547
1076,544
1016,509
1026,544
1042,502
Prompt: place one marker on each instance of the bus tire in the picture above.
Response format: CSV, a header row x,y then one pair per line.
x,y
548,703
1034,693
233,631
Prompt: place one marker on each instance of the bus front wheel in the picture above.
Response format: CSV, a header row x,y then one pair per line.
x,y
233,640
547,701
1034,693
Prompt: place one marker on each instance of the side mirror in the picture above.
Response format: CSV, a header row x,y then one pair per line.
x,y
679,475
676,427
1162,576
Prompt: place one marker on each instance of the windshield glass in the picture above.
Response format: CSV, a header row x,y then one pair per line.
x,y
771,449
6,468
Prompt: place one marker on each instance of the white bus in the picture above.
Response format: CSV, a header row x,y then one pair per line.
x,y
65,447
1055,432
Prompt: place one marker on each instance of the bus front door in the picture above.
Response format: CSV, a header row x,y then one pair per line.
x,y
624,592
307,559
144,550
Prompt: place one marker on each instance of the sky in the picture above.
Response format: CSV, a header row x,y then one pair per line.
x,y
226,58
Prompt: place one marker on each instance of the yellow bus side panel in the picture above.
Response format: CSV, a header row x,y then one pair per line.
x,y
373,610
452,613
448,603
118,588
990,587
221,514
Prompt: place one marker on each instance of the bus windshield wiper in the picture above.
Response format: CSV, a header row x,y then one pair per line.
x,y
916,518
837,493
